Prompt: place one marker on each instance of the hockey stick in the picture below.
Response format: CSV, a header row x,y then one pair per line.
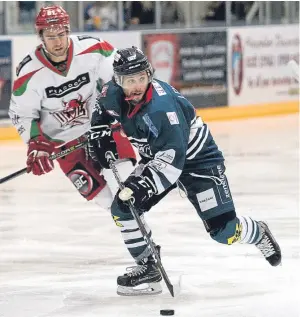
x,y
51,157
92,136
141,226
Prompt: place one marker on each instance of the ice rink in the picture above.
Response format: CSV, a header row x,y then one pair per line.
x,y
60,255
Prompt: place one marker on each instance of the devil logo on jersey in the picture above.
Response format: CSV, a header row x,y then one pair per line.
x,y
74,103
74,113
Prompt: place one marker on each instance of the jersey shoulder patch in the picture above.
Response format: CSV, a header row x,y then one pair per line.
x,y
25,61
172,116
158,88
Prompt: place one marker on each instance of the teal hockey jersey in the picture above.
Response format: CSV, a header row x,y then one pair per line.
x,y
164,128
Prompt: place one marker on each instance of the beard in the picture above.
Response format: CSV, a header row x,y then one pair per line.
x,y
135,97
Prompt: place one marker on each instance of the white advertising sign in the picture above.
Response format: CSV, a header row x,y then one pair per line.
x,y
257,64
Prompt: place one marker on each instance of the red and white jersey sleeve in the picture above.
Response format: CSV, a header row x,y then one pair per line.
x,y
59,105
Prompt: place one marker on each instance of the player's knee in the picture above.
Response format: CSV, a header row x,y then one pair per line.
x,y
120,212
225,229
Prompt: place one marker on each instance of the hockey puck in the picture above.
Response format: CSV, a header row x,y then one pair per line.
x,y
167,312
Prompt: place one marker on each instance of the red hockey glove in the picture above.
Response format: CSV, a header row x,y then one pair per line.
x,y
39,150
124,147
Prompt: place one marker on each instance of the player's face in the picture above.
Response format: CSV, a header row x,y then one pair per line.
x,y
135,86
56,42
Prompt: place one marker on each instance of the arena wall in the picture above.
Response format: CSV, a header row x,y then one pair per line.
x,y
240,72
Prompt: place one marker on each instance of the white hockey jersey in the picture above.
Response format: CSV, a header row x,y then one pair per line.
x,y
59,106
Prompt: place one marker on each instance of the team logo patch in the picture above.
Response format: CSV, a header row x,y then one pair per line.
x,y
74,113
82,181
172,116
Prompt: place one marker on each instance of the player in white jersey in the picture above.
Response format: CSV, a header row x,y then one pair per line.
x,y
52,101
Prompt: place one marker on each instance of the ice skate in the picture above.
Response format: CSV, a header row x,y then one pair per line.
x,y
268,245
143,279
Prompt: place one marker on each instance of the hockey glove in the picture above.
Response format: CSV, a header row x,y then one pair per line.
x,y
39,150
100,144
138,189
110,144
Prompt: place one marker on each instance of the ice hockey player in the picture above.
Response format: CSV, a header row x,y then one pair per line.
x,y
52,101
176,146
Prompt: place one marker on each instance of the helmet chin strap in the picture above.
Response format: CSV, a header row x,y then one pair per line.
x,y
48,53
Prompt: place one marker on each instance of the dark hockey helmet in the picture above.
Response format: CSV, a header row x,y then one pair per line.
x,y
129,61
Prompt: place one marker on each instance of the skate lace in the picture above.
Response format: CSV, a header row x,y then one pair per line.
x,y
136,270
266,247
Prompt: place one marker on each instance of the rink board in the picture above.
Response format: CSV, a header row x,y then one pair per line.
x,y
250,66
211,114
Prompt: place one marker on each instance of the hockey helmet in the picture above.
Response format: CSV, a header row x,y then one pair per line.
x,y
129,61
52,17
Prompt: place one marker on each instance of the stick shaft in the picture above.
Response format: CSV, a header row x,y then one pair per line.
x,y
52,157
143,230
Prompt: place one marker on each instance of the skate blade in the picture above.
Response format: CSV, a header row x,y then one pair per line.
x,y
140,290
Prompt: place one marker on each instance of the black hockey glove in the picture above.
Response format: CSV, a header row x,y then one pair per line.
x,y
101,144
138,189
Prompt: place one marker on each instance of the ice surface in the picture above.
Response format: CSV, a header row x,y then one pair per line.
x,y
60,255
